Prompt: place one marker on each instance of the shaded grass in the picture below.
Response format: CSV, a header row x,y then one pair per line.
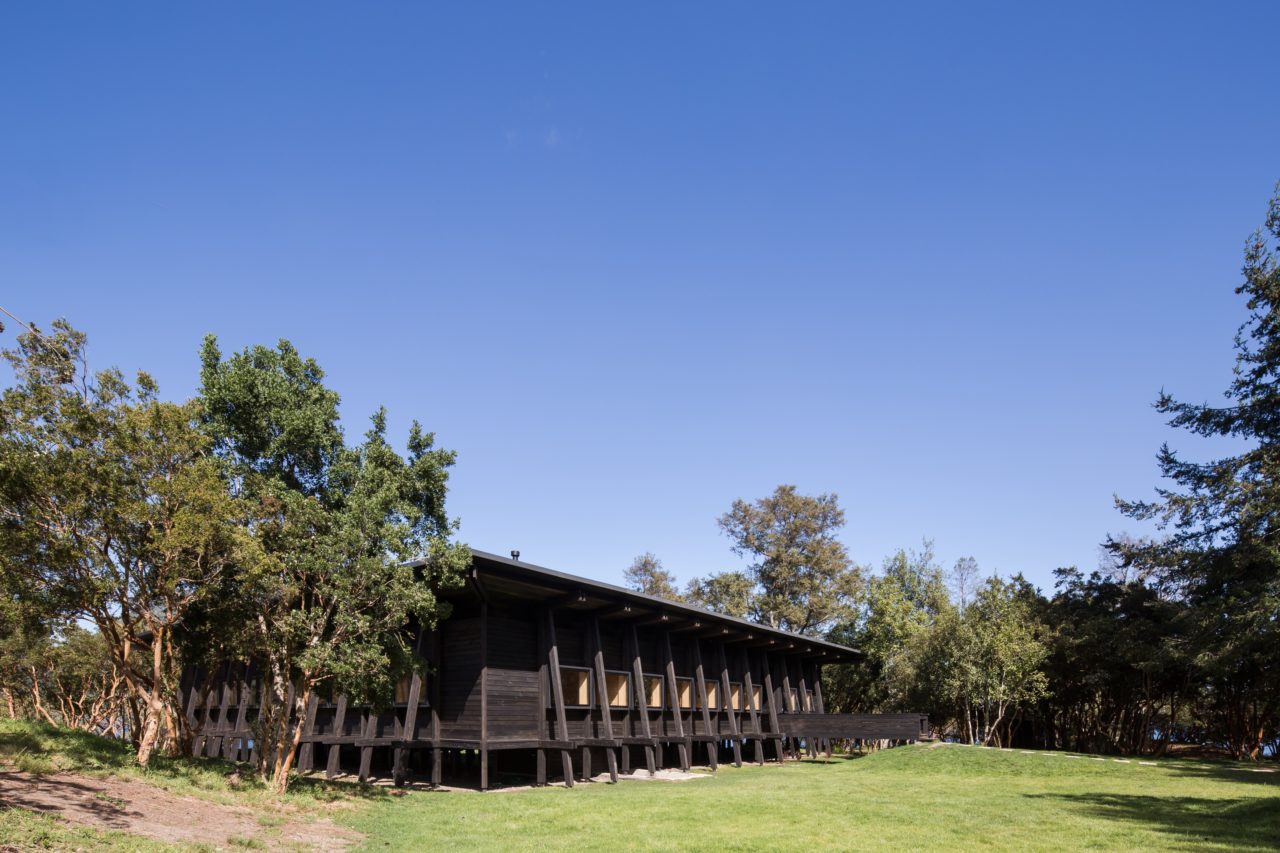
x,y
40,749
26,830
921,798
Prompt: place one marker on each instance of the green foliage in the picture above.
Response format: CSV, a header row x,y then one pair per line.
x,y
113,511
1119,664
896,608
334,597
801,578
1221,518
645,574
731,593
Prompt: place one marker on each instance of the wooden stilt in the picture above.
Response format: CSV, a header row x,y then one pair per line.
x,y
700,684
332,766
542,768
566,762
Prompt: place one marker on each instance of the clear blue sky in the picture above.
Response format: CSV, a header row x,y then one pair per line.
x,y
635,262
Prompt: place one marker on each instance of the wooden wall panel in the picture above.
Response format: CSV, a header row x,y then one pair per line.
x,y
460,679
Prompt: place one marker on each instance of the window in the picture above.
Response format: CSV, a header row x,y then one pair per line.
x,y
577,687
684,691
653,692
617,687
808,700
713,696
793,699
736,696
402,690
755,696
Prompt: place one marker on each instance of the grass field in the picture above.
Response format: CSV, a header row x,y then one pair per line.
x,y
920,797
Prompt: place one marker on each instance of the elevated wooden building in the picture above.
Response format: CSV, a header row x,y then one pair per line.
x,y
538,673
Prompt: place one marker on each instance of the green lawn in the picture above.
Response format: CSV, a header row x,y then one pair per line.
x,y
949,797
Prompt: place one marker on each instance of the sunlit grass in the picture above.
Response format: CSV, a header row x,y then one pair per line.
x,y
912,798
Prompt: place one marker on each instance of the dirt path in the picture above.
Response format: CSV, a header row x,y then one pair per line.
x,y
142,809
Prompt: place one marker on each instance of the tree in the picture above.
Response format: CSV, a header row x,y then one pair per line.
x,y
730,593
1004,647
335,600
645,574
894,610
1221,519
802,576
964,576
114,511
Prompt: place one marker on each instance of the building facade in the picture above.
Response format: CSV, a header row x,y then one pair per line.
x,y
539,675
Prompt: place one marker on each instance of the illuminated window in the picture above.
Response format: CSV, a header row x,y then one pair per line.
x,y
713,696
617,687
684,691
577,687
653,692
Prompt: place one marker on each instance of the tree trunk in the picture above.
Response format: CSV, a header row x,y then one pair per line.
x,y
35,697
150,729
280,781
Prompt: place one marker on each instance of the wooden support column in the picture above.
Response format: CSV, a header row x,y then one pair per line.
x,y
557,696
214,745
544,698
400,771
240,752
333,766
306,752
700,684
369,730
726,699
787,701
433,702
749,688
484,695
641,704
771,696
802,698
818,705
673,691
602,696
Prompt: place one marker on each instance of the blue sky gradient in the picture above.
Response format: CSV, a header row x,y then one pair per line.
x,y
633,263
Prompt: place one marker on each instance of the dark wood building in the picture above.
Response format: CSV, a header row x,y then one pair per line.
x,y
539,674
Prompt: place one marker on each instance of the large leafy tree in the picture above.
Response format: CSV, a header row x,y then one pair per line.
x,y
1221,518
730,593
801,576
896,608
646,574
112,511
334,599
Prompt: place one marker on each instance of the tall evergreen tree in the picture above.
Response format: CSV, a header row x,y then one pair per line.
x,y
1222,517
